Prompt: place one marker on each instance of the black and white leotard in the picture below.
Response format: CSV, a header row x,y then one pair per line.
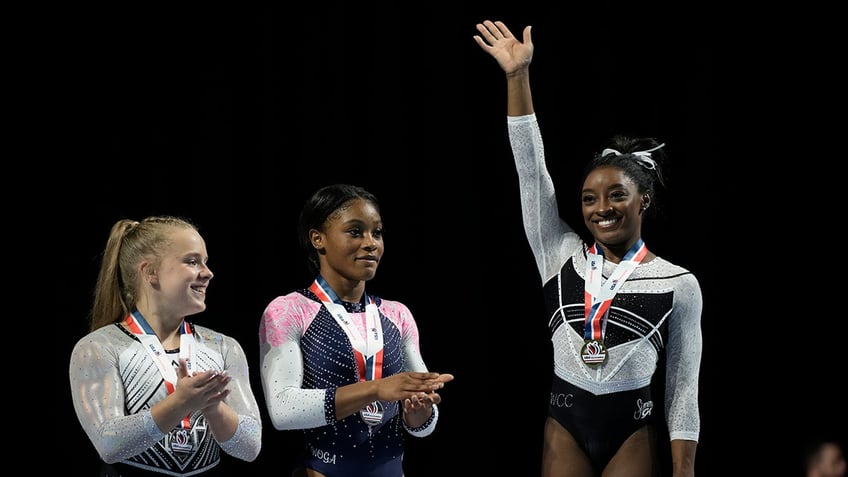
x,y
115,382
655,314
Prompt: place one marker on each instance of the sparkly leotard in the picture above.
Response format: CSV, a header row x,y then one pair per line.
x,y
115,382
305,355
656,313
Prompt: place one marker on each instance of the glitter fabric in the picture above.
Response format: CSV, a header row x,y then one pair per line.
x,y
114,383
305,355
655,314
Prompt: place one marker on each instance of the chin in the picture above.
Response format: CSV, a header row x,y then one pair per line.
x,y
611,240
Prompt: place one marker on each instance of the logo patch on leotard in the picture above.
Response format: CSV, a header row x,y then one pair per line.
x,y
643,409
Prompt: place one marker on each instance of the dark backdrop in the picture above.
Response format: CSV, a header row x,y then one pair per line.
x,y
232,117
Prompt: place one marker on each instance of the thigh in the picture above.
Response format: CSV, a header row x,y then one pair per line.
x,y
637,456
562,455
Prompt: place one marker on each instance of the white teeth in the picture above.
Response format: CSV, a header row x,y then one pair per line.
x,y
606,222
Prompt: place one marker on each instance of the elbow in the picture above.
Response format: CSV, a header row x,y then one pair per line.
x,y
109,456
246,443
278,419
281,423
253,454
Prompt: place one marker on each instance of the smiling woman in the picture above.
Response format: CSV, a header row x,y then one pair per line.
x,y
342,365
617,312
234,116
153,392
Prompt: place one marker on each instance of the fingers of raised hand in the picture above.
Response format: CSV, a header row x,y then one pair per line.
x,y
498,30
490,32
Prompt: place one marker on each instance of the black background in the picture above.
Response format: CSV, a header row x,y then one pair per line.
x,y
232,117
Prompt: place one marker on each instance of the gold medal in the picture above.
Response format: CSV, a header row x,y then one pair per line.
x,y
593,353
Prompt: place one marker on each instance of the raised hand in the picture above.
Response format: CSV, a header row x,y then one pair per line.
x,y
496,39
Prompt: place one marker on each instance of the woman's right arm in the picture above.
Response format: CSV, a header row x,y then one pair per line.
x,y
281,368
551,240
98,395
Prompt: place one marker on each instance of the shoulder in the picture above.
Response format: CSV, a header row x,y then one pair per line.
x,y
209,335
672,270
684,275
108,335
660,275
293,302
400,315
392,308
105,341
687,289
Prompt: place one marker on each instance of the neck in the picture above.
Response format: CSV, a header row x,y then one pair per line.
x,y
347,290
166,329
612,253
615,253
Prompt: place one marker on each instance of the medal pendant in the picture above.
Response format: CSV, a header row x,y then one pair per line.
x,y
372,414
181,441
593,353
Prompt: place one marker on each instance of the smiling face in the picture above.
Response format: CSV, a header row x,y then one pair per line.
x,y
181,275
612,207
350,243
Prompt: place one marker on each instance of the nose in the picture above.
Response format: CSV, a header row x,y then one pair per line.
x,y
206,272
604,207
370,242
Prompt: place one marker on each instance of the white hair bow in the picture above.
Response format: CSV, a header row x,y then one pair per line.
x,y
642,157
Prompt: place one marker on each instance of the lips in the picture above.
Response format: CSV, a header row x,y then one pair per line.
x,y
608,222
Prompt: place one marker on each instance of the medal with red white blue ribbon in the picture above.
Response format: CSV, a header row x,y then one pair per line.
x,y
367,350
598,296
136,323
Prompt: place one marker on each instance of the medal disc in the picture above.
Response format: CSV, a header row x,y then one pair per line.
x,y
181,441
372,414
593,353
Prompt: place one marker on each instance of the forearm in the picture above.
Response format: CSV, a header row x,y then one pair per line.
x,y
169,412
519,97
222,419
353,397
683,457
246,440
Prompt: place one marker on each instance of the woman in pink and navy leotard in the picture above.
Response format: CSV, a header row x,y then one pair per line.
x,y
341,364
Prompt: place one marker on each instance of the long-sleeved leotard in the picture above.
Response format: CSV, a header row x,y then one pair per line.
x,y
656,311
305,355
115,382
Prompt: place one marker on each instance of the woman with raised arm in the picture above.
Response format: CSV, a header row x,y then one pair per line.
x,y
615,310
